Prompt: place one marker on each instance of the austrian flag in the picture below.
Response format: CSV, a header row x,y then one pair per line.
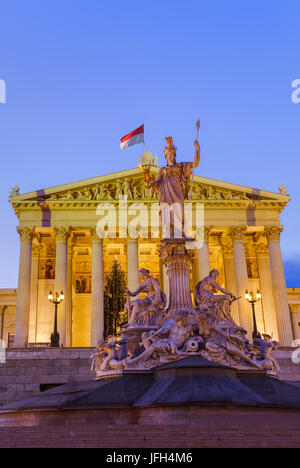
x,y
134,137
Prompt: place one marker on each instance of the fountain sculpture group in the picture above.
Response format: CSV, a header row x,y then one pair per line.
x,y
156,333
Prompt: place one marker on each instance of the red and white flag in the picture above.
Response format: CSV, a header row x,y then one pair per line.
x,y
134,137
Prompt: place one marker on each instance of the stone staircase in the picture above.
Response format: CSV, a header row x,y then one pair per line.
x,y
29,371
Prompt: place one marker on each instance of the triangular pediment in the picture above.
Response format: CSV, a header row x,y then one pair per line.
x,y
131,183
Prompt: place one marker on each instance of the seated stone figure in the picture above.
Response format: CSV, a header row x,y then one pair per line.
x,y
219,305
145,311
224,340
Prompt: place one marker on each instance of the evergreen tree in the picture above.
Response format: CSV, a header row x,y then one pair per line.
x,y
114,300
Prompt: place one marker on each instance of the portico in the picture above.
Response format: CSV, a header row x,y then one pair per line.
x,y
69,236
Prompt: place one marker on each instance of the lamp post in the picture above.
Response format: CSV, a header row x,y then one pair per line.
x,y
56,300
253,299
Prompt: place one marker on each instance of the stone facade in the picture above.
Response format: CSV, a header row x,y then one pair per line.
x,y
61,249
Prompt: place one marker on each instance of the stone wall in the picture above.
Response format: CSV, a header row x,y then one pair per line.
x,y
211,427
28,371
289,370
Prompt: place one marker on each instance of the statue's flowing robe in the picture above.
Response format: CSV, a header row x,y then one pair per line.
x,y
171,182
170,188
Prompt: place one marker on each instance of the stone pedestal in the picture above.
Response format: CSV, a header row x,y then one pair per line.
x,y
178,261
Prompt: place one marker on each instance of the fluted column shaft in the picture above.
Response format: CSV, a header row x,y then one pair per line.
x,y
69,295
230,278
34,293
132,264
178,261
61,279
265,282
97,303
23,298
279,287
203,253
241,277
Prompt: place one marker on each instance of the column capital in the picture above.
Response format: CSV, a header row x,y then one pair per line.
x,y
261,249
26,233
273,233
237,233
203,232
62,233
93,234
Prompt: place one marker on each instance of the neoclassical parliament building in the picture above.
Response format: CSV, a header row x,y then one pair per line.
x,y
60,249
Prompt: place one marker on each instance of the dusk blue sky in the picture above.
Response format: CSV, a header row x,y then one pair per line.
x,y
81,74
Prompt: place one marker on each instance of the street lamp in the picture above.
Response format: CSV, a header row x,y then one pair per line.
x,y
56,300
253,299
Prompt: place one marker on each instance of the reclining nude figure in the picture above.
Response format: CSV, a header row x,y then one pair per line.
x,y
168,340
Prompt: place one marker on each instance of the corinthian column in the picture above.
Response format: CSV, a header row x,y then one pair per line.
x,y
241,277
61,278
279,287
23,299
68,305
34,292
229,272
132,264
203,252
97,304
265,282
